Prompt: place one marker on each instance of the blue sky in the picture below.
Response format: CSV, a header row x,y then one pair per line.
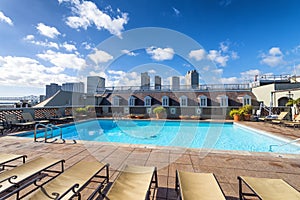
x,y
65,40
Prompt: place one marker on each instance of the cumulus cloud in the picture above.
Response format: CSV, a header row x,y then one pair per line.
x,y
47,31
129,53
160,54
250,74
273,58
100,56
5,19
30,39
197,54
86,14
220,56
31,74
71,61
68,47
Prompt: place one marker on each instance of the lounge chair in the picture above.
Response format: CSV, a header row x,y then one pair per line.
x,y
69,184
134,182
280,117
18,178
7,158
12,121
28,118
295,123
195,186
48,116
59,115
267,189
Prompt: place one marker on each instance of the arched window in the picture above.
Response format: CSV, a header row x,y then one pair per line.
x,y
223,101
165,101
131,101
247,100
116,101
147,101
183,101
202,101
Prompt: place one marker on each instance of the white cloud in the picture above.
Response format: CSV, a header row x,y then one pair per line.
x,y
119,78
177,12
100,56
129,53
47,31
71,61
220,57
30,38
160,54
87,46
230,80
217,57
273,58
87,14
69,47
197,54
31,74
5,19
250,74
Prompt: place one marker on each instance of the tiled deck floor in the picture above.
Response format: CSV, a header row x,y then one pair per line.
x,y
224,164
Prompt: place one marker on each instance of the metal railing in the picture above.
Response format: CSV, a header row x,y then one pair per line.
x,y
280,145
48,129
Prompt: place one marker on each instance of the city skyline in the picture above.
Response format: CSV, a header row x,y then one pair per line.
x,y
53,41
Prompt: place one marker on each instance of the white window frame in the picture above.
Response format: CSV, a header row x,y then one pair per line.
x,y
183,101
116,101
246,100
202,101
131,101
165,101
223,101
147,101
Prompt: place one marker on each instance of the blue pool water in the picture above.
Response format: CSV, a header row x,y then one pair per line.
x,y
222,136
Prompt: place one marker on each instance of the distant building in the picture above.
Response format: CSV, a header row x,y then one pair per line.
x,y
192,79
95,84
175,83
145,81
73,87
157,82
52,89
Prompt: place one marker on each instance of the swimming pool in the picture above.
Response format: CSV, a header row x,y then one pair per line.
x,y
222,136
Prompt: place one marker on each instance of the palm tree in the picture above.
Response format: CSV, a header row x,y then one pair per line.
x,y
296,103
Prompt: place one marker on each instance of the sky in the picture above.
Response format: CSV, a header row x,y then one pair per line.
x,y
226,41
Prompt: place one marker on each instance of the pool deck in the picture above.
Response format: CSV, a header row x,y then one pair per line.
x,y
226,165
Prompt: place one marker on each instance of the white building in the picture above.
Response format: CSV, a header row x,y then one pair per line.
x,y
175,83
145,81
192,79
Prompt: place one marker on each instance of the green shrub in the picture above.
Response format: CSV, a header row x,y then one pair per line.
x,y
81,111
234,112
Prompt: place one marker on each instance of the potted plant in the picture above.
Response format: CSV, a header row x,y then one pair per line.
x,y
246,112
160,112
235,114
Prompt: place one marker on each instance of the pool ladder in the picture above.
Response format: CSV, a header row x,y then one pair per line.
x,y
280,145
48,131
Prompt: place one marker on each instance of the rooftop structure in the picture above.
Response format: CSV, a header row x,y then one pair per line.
x,y
52,89
175,83
145,81
95,84
157,82
73,87
192,79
